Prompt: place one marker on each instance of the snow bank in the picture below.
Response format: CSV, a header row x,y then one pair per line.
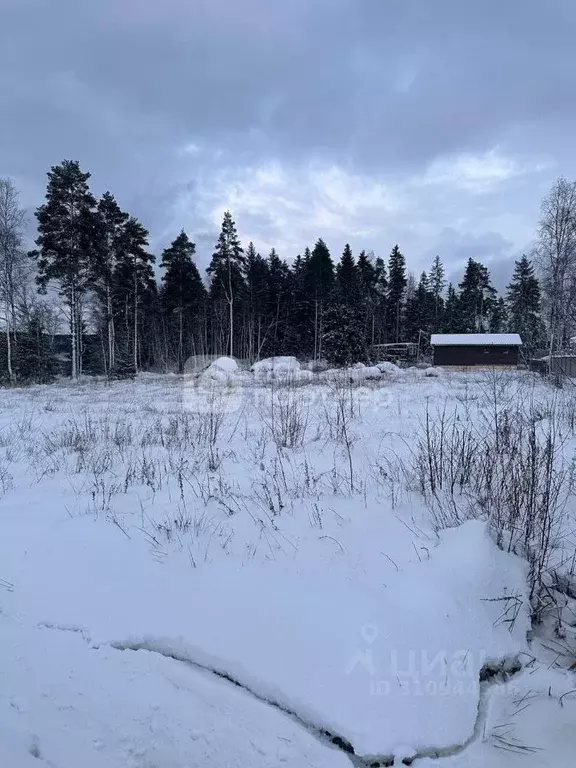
x,y
363,373
224,370
389,368
276,368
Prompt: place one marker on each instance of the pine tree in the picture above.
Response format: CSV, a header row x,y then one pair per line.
x,y
226,272
437,286
133,283
109,240
397,283
183,295
523,301
66,242
477,298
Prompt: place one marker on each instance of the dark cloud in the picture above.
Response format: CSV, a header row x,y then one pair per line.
x,y
374,88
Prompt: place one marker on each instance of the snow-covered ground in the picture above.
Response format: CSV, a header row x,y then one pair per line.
x,y
237,569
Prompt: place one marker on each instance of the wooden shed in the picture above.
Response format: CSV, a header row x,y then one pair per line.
x,y
476,349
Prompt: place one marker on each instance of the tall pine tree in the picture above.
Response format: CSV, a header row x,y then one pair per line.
x,y
110,239
183,297
65,243
134,286
227,286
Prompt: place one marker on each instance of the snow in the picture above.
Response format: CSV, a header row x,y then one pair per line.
x,y
155,546
475,339
276,367
76,705
365,373
226,364
223,370
433,372
388,368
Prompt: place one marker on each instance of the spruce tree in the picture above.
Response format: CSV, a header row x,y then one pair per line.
x,y
343,342
317,285
420,310
397,283
452,319
276,302
348,280
380,312
65,241
227,283
498,316
256,299
523,301
437,286
183,295
301,326
477,298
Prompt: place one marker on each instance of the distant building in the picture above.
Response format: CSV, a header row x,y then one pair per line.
x,y
476,349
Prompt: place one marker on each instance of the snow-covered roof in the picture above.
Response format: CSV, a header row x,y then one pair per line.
x,y
476,340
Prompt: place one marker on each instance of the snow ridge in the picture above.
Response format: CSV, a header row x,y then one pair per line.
x,y
492,673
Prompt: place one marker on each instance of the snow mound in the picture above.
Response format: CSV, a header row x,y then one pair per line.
x,y
365,373
224,370
276,367
389,368
227,364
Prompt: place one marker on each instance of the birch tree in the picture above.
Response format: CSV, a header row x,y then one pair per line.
x,y
13,262
556,258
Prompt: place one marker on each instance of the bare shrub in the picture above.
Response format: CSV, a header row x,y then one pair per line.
x,y
341,408
286,416
511,471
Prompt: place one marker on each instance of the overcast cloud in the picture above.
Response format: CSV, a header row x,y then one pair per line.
x,y
437,124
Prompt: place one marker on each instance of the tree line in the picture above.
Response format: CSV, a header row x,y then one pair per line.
x,y
122,319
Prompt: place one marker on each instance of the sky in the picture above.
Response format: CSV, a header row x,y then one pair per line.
x,y
435,124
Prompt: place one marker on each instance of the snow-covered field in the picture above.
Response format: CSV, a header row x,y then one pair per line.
x,y
240,570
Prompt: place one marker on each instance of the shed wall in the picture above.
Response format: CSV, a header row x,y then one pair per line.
x,y
476,355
